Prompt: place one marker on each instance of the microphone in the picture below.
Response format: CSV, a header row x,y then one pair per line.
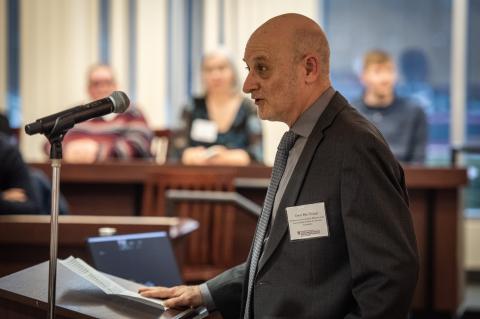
x,y
118,102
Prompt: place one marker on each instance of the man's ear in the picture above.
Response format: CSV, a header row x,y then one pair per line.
x,y
312,68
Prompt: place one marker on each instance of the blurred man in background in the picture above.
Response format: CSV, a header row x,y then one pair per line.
x,y
402,123
114,136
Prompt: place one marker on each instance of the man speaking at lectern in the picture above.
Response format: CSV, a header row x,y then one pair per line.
x,y
335,238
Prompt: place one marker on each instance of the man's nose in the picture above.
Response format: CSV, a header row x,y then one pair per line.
x,y
249,85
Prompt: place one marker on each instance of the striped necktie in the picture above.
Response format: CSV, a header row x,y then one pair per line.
x,y
287,142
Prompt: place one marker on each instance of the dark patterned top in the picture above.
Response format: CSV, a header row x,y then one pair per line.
x,y
245,132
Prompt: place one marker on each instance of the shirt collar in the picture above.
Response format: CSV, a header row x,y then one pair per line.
x,y
307,120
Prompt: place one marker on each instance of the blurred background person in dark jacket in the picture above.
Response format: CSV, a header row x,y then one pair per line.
x,y
16,191
402,122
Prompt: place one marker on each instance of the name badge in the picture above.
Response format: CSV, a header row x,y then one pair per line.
x,y
204,131
307,221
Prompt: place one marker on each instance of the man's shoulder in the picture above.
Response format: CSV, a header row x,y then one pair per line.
x,y
358,104
409,105
351,116
351,129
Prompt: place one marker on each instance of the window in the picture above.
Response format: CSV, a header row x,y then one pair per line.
x,y
472,159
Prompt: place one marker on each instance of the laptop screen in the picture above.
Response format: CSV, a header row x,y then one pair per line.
x,y
145,258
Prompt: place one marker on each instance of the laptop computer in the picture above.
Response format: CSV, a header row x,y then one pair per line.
x,y
146,258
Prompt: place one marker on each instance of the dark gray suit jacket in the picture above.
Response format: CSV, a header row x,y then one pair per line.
x,y
367,267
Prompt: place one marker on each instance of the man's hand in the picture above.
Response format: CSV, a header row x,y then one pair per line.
x,y
81,151
175,297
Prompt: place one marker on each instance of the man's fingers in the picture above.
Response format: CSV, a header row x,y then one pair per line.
x,y
142,289
157,292
174,297
177,302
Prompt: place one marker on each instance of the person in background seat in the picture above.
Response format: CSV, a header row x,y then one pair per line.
x,y
17,194
114,136
221,127
402,122
25,190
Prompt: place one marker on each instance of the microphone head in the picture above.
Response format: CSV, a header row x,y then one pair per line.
x,y
120,101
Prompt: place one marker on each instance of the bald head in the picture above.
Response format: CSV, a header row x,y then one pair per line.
x,y
300,34
101,81
287,58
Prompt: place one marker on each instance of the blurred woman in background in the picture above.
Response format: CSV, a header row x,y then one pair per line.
x,y
221,127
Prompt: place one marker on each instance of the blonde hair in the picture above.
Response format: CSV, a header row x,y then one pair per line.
x,y
227,54
376,57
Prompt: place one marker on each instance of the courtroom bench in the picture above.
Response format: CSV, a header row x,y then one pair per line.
x,y
116,187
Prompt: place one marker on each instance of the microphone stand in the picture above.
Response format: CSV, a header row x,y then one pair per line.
x,y
63,121
55,137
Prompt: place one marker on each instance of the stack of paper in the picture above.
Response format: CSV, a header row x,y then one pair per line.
x,y
107,285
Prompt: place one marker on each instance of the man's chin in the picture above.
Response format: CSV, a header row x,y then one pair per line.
x,y
382,94
262,114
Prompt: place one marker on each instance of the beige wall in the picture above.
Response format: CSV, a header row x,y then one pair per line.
x,y
58,43
152,59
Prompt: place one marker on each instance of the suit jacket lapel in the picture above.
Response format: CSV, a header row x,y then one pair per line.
x,y
292,190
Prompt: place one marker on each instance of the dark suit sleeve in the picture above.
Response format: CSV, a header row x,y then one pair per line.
x,y
226,291
378,228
